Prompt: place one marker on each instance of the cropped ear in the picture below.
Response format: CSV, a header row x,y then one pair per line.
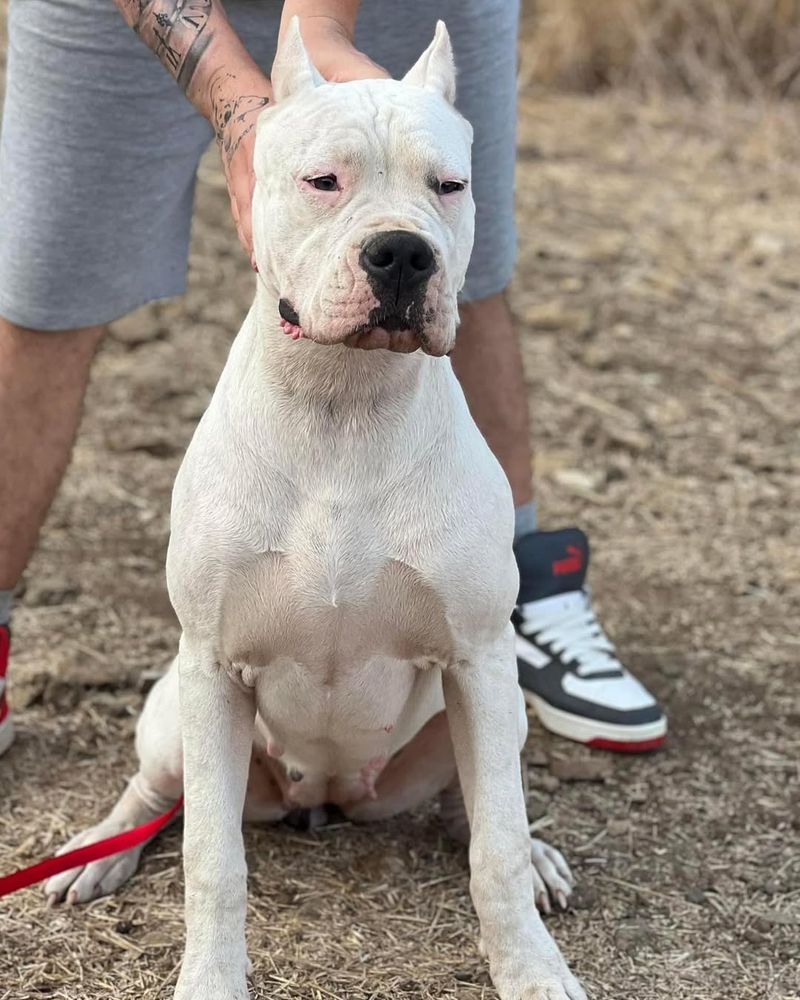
x,y
435,69
293,72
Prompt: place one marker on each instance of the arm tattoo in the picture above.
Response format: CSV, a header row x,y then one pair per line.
x,y
179,32
234,115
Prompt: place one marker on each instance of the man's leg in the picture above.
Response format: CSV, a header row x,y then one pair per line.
x,y
95,209
43,378
568,668
488,363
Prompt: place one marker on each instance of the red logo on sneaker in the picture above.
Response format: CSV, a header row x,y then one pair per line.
x,y
573,563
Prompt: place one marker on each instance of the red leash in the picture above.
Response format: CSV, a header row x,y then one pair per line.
x,y
89,852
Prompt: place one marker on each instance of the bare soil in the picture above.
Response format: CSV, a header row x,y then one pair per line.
x,y
658,298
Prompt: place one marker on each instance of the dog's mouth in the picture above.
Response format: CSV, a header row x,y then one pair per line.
x,y
383,331
388,332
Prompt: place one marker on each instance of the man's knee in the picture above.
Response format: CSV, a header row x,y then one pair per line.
x,y
77,345
474,311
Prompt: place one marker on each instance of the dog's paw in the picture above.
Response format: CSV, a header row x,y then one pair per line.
x,y
209,983
552,880
558,990
551,980
98,878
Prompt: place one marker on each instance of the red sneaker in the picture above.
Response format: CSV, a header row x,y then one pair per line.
x,y
6,725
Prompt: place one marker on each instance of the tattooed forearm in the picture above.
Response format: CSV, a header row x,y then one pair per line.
x,y
132,10
200,49
178,31
182,35
234,114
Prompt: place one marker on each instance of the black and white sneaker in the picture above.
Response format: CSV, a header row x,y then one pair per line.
x,y
568,668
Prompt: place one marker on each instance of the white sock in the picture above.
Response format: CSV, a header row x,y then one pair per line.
x,y
6,598
524,519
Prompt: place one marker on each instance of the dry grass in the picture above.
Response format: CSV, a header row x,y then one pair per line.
x,y
700,47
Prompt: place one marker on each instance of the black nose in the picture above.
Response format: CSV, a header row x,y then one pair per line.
x,y
397,261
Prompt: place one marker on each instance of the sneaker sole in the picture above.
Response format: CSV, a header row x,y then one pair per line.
x,y
603,735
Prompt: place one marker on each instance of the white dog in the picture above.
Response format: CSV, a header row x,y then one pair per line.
x,y
340,558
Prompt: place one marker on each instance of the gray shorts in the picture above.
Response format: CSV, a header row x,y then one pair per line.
x,y
99,149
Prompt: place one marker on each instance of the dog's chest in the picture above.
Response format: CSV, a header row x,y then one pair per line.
x,y
337,641
330,608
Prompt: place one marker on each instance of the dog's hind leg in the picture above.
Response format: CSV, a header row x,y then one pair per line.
x,y
153,789
415,774
424,768
552,879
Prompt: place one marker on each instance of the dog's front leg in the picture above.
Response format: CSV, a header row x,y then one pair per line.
x,y
482,703
217,719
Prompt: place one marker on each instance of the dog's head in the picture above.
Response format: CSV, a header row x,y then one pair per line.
x,y
363,215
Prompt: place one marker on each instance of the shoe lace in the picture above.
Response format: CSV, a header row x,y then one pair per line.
x,y
571,630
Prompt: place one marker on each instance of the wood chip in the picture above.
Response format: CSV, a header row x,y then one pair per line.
x,y
581,768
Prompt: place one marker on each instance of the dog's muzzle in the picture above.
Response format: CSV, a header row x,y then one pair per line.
x,y
398,265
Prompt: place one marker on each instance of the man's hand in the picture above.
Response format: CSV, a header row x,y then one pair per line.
x,y
235,110
330,47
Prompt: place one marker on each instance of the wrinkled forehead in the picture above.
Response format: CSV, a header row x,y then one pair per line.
x,y
376,122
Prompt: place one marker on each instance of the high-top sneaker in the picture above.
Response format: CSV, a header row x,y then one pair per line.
x,y
6,725
568,668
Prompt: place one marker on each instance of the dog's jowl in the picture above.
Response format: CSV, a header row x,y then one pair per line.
x,y
340,558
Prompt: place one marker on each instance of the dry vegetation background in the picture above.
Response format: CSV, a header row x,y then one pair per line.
x,y
704,48
658,296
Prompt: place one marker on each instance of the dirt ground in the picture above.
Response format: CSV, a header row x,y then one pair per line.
x,y
658,297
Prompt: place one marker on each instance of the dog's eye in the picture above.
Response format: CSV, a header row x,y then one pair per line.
x,y
327,182
450,187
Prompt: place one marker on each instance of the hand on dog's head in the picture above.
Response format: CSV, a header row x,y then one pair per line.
x,y
363,216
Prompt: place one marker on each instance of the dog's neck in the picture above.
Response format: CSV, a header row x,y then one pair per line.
x,y
334,378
